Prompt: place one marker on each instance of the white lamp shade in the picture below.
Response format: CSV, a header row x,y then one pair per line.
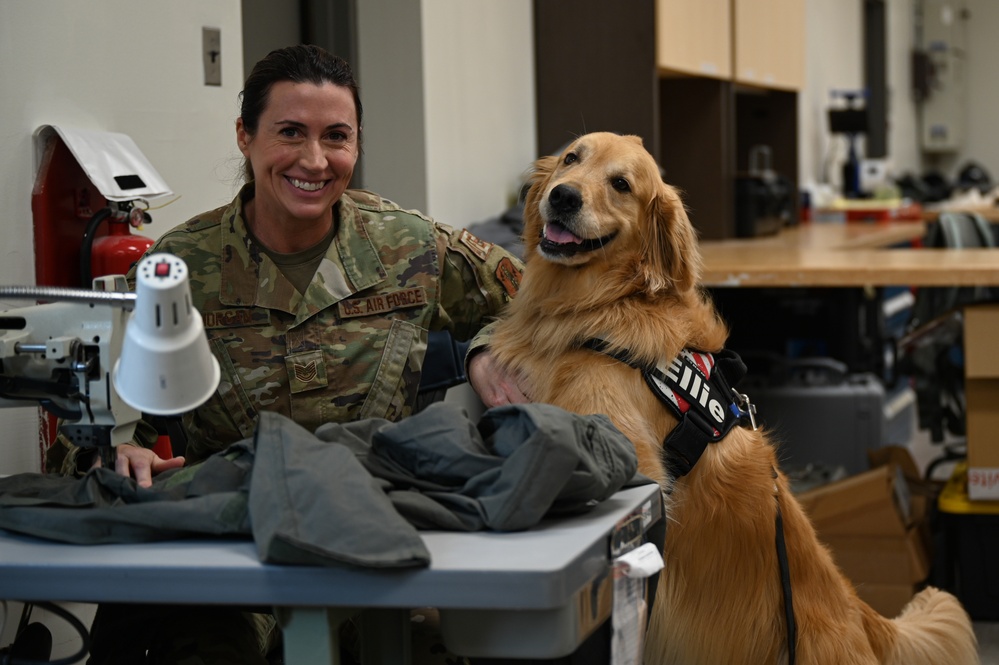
x,y
166,367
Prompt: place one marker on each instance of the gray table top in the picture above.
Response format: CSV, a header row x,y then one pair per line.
x,y
536,569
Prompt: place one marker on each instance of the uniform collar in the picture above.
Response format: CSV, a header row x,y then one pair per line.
x,y
250,279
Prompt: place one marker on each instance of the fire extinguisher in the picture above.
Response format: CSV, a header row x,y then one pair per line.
x,y
116,252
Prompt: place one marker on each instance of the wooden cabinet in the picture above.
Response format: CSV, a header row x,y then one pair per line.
x,y
659,69
769,43
694,37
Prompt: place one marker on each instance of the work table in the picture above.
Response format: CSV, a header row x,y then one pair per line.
x,y
850,254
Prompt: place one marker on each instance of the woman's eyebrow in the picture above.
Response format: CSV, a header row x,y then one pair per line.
x,y
296,123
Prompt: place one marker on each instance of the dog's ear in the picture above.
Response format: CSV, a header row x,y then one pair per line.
x,y
671,257
536,182
542,170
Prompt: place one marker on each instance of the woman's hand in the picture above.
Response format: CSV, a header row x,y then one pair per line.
x,y
495,384
141,463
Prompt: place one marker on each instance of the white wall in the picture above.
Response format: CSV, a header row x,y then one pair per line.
x,y
903,128
389,71
119,66
448,91
480,120
834,60
982,101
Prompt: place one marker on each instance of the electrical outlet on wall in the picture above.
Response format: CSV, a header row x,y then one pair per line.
x,y
211,50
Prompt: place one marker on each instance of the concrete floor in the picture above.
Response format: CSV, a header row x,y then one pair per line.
x,y
988,642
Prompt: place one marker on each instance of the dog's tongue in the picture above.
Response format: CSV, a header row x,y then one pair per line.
x,y
559,234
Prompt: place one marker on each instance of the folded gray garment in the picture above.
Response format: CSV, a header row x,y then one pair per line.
x,y
353,493
104,507
520,463
313,503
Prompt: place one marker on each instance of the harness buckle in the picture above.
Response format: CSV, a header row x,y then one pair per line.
x,y
746,408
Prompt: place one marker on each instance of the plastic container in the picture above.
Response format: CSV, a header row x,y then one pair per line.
x,y
971,547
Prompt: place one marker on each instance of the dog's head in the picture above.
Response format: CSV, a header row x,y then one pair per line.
x,y
602,205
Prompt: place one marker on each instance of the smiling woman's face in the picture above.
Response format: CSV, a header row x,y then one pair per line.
x,y
303,152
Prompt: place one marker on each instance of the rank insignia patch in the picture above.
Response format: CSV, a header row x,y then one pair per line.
x,y
306,371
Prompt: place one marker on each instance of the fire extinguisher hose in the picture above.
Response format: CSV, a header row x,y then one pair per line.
x,y
86,279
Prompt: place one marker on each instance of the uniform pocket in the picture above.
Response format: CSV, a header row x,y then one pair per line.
x,y
230,392
393,391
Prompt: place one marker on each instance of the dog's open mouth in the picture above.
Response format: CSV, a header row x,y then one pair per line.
x,y
560,241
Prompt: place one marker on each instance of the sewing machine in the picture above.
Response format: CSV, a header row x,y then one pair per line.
x,y
66,355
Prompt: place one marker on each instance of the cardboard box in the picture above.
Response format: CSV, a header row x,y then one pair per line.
x,y
874,526
886,599
981,372
885,560
872,503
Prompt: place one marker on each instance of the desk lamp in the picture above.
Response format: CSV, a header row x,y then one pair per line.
x,y
166,367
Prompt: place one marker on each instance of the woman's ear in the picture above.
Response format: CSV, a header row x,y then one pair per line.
x,y
242,137
671,257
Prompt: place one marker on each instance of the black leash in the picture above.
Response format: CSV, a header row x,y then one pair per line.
x,y
785,582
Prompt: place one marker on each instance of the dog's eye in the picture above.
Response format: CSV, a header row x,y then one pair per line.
x,y
570,158
621,185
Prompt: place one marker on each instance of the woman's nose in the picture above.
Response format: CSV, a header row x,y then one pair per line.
x,y
313,156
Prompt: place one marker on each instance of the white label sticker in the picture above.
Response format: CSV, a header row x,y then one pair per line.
x,y
641,562
627,618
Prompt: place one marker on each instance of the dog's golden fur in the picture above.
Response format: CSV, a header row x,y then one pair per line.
x,y
719,599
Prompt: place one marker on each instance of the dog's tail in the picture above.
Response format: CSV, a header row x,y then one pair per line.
x,y
933,628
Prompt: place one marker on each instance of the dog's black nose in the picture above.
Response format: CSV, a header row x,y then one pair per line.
x,y
565,199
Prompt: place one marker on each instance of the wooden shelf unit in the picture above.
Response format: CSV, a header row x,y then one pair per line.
x,y
657,68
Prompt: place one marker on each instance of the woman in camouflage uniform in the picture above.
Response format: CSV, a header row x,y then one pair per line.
x,y
317,301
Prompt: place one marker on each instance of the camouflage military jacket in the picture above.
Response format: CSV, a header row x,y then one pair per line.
x,y
352,345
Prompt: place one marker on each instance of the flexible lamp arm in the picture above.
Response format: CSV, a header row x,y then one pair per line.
x,y
125,301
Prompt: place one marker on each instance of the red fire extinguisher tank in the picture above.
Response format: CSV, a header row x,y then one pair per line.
x,y
116,252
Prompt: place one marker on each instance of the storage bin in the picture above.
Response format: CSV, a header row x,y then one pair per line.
x,y
971,547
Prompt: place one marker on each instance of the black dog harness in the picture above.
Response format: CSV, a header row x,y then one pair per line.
x,y
697,387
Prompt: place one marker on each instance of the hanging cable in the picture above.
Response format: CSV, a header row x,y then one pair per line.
x,y
74,622
86,247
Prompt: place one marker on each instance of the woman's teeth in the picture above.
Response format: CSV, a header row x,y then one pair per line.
x,y
307,186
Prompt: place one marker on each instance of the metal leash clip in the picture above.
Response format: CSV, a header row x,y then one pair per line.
x,y
747,408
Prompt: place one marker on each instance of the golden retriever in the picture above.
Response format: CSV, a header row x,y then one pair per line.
x,y
612,255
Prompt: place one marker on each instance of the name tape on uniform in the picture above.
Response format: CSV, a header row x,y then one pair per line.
x,y
383,302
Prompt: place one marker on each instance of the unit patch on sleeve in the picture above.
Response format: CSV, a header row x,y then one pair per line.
x,y
479,247
383,302
509,276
